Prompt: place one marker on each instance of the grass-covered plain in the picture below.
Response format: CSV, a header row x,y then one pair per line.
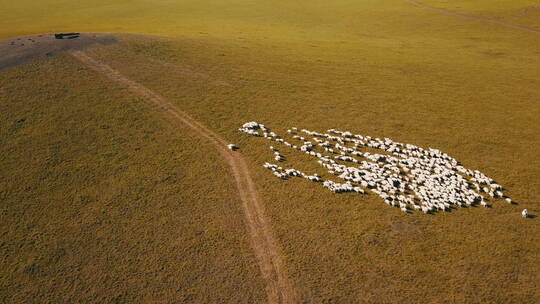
x,y
381,68
520,12
104,201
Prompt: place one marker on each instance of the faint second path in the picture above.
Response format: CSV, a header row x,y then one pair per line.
x,y
477,18
279,289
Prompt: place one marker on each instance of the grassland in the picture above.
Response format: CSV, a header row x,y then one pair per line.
x,y
99,203
382,68
522,12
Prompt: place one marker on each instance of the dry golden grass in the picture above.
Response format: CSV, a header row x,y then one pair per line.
x,y
343,248
380,68
522,12
103,201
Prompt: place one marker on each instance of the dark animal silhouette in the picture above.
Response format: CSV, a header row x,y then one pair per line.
x,y
67,35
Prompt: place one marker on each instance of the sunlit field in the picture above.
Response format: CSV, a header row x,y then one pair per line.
x,y
104,199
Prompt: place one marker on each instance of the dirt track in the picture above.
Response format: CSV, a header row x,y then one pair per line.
x,y
278,287
482,19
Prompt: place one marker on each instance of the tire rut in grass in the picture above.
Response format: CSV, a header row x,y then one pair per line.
x,y
279,288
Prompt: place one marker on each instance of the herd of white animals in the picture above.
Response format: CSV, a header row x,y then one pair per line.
x,y
406,176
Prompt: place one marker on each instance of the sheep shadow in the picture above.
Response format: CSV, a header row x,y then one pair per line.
x,y
512,202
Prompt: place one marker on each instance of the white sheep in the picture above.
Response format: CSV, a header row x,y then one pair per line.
x,y
434,178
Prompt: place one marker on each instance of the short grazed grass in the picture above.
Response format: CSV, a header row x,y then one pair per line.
x,y
341,248
521,12
104,201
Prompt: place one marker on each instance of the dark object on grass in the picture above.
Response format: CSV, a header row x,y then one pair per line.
x,y
67,35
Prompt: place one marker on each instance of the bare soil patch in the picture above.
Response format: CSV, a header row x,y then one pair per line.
x,y
15,51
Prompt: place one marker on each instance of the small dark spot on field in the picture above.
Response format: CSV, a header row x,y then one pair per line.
x,y
120,140
17,124
162,180
85,199
52,162
32,269
122,298
494,53
372,239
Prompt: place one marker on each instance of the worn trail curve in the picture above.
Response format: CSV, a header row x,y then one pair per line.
x,y
279,288
471,17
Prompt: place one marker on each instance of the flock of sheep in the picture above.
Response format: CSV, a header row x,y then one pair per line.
x,y
406,176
